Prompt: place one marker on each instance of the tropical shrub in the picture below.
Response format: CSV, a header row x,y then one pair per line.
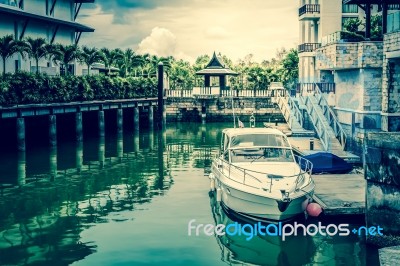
x,y
28,88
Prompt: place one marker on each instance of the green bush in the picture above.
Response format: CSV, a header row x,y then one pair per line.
x,y
29,88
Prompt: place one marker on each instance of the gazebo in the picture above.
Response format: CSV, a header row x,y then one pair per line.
x,y
216,68
366,6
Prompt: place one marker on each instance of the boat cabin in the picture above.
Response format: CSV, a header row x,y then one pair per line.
x,y
247,145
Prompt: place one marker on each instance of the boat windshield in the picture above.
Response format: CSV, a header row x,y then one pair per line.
x,y
263,140
249,155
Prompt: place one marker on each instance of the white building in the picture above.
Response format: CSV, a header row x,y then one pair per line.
x,y
53,20
319,19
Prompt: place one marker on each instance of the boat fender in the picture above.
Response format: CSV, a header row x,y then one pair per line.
x,y
314,209
219,195
212,182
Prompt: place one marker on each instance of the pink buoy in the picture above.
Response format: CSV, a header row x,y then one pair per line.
x,y
313,209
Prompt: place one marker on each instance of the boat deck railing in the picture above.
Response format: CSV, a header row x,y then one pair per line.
x,y
228,169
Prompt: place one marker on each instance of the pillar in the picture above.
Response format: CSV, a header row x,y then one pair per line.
x,y
120,121
384,17
120,146
79,156
151,116
102,152
53,162
367,21
78,126
52,130
164,116
136,142
160,89
136,118
101,124
21,134
21,171
203,114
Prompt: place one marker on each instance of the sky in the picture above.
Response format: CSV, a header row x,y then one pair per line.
x,y
187,29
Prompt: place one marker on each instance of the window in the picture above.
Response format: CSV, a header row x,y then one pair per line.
x,y
349,8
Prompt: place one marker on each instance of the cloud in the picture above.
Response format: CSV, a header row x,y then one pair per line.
x,y
216,32
188,28
160,42
122,8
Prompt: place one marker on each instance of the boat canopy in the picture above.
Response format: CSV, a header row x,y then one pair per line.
x,y
258,140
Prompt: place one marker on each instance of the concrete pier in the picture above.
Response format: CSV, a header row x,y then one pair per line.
x,y
136,142
136,119
102,152
101,124
53,162
120,146
79,156
120,121
21,171
381,164
52,130
151,117
21,134
78,126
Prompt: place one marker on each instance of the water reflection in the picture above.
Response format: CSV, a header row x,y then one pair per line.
x,y
43,213
260,250
58,202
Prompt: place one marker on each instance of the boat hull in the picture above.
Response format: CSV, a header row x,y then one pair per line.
x,y
263,208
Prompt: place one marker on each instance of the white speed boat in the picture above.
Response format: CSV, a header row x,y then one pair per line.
x,y
257,175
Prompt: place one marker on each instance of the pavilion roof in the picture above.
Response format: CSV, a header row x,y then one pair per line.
x,y
216,66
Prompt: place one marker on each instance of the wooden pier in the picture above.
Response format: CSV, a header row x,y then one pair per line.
x,y
20,112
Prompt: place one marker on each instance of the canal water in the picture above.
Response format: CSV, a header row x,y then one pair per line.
x,y
127,200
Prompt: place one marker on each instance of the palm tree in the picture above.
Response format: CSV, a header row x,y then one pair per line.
x,y
36,49
111,57
65,54
8,47
129,60
89,56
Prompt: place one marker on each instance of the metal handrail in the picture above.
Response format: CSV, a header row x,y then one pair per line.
x,y
317,120
289,110
331,117
308,165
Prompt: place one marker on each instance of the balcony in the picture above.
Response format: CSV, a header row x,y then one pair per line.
x,y
325,87
308,47
309,12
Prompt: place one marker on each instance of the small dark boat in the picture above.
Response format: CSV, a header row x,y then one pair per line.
x,y
326,162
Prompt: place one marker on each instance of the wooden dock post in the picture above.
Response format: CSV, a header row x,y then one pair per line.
x,y
101,124
120,120
161,117
78,126
136,118
21,134
52,130
151,117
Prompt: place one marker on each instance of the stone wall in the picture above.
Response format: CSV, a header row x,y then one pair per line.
x,y
220,109
391,83
382,168
349,56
